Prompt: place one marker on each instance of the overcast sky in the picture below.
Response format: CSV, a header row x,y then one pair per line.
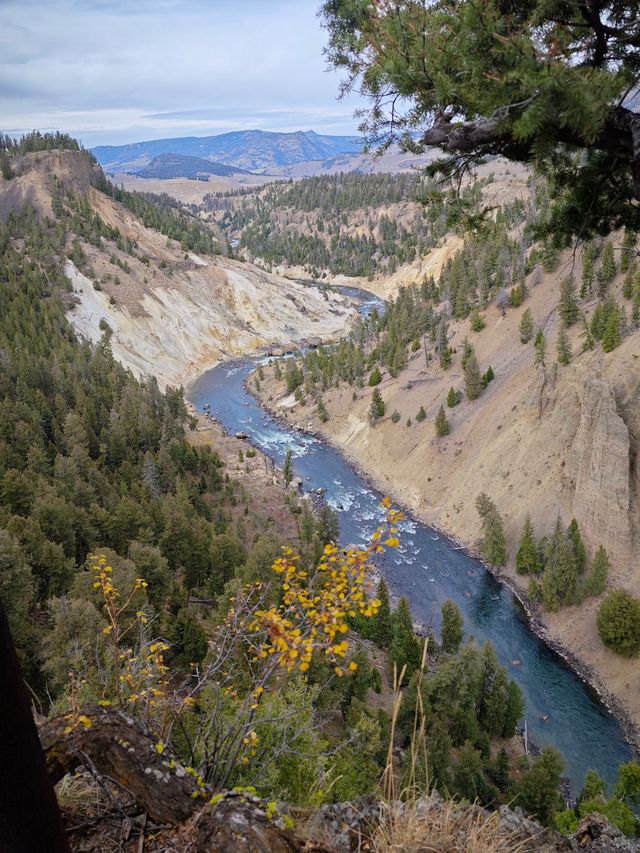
x,y
114,71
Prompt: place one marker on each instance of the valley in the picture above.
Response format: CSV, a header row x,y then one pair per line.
x,y
194,294
320,427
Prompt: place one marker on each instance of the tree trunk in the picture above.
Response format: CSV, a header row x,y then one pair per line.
x,y
121,749
29,816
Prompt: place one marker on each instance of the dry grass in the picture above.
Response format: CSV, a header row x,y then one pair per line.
x,y
79,794
423,826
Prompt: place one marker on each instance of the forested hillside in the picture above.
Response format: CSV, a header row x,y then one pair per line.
x,y
351,225
348,224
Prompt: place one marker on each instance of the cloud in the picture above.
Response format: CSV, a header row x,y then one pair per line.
x,y
110,69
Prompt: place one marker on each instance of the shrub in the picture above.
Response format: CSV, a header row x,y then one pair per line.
x,y
376,377
619,622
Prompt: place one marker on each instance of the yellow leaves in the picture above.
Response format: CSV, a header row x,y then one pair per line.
x,y
314,610
107,630
159,747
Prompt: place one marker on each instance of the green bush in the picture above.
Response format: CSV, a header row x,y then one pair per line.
x,y
619,622
376,377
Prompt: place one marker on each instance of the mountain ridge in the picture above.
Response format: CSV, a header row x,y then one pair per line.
x,y
185,166
253,150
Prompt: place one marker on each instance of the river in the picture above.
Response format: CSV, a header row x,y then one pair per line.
x,y
561,710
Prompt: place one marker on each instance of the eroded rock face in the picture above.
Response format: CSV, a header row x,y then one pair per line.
x,y
597,835
597,466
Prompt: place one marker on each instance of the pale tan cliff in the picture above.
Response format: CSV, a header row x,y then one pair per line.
x,y
172,314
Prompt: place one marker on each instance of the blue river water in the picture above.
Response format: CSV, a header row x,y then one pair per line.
x,y
428,568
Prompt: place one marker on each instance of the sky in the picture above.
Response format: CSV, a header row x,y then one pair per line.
x,y
118,71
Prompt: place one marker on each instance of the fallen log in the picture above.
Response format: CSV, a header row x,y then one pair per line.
x,y
121,748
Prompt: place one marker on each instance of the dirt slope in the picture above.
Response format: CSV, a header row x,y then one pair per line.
x,y
173,314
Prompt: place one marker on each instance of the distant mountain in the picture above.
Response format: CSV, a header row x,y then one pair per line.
x,y
253,150
182,166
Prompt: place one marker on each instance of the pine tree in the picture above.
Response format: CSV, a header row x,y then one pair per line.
x,y
607,271
541,349
550,255
467,352
476,320
596,580
563,347
421,416
612,333
493,693
588,258
493,545
500,770
488,376
468,776
628,249
376,407
5,166
629,283
538,791
382,623
405,649
442,424
439,756
287,470
568,303
514,709
452,630
453,398
442,344
527,558
443,60
560,573
579,551
472,379
526,326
